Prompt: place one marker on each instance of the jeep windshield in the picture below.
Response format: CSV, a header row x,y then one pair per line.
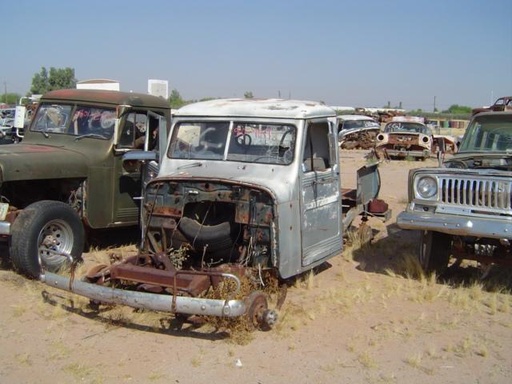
x,y
75,120
489,133
252,142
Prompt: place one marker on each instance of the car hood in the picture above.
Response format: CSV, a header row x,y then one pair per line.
x,y
32,162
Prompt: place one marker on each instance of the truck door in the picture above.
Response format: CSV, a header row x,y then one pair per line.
x,y
139,131
320,198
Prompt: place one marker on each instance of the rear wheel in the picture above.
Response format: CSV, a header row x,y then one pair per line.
x,y
434,252
46,234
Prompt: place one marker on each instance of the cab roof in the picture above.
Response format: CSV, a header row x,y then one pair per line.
x,y
107,97
261,108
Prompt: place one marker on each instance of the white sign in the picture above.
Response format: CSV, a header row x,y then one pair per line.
x,y
19,116
158,88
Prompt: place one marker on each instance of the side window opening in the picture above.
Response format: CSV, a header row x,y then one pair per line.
x,y
134,133
316,152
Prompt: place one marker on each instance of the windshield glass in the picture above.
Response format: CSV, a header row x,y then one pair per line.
x,y
234,141
356,124
491,133
401,127
74,120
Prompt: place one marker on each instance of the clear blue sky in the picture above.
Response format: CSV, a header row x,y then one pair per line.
x,y
342,52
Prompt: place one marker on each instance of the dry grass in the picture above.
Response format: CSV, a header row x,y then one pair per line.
x,y
24,359
156,376
83,372
366,360
402,280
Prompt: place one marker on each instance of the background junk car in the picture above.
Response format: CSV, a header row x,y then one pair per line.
x,y
247,194
409,137
357,131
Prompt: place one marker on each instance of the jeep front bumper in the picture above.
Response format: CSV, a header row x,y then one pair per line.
x,y
456,225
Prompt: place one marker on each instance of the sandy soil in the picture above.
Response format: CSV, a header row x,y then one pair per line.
x,y
357,320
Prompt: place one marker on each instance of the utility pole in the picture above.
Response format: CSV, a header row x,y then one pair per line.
x,y
5,92
434,104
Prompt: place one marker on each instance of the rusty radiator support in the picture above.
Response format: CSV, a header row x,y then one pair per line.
x,y
144,300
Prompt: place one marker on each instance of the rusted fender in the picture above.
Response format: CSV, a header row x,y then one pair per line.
x,y
145,300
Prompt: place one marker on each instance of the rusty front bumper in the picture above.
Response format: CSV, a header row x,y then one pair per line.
x,y
145,300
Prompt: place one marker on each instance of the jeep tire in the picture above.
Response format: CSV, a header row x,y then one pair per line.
x,y
46,235
434,252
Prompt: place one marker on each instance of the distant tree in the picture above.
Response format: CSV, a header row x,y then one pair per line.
x,y
57,78
248,95
40,82
458,109
176,100
10,98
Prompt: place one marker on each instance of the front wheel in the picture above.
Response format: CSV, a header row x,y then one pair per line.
x,y
258,315
434,252
47,234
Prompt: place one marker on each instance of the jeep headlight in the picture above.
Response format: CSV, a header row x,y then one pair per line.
x,y
426,187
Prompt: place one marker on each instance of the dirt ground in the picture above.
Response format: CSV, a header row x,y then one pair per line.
x,y
358,319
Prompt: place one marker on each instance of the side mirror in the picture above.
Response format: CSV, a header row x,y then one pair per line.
x,y
122,110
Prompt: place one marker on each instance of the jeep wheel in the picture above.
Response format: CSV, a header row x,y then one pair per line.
x,y
434,252
47,234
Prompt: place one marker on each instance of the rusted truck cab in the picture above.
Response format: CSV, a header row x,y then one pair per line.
x,y
464,208
249,181
247,194
66,177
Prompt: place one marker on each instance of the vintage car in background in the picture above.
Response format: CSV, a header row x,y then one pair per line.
x,y
410,137
357,131
502,104
6,127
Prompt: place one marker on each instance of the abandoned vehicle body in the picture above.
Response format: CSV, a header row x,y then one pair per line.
x,y
357,131
464,209
248,191
66,177
409,137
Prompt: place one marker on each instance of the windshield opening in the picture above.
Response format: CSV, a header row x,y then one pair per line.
x,y
489,133
74,120
357,124
234,141
401,127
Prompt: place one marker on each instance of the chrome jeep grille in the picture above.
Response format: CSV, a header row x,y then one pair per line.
x,y
477,194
